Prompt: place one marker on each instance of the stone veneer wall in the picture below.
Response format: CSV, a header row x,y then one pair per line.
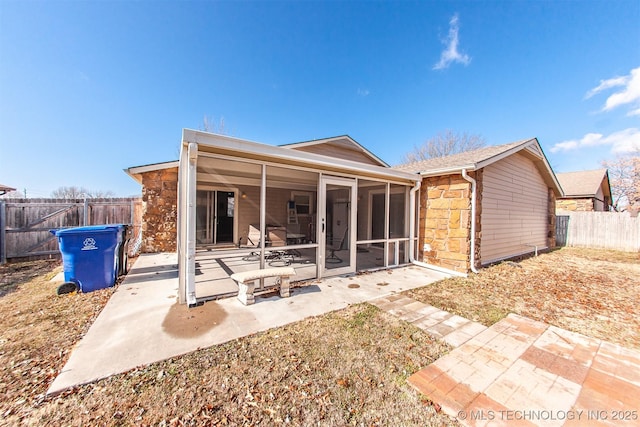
x,y
574,205
159,210
445,215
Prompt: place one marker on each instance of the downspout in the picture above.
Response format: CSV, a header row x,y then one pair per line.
x,y
473,219
412,236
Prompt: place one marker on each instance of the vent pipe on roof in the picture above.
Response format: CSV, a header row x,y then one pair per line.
x,y
473,220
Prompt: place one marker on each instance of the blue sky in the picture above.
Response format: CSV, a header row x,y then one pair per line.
x,y
90,88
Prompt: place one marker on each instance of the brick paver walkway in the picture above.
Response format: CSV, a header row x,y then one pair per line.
x,y
524,372
452,329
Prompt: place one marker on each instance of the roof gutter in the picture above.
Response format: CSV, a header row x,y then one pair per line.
x,y
448,171
473,219
136,172
412,236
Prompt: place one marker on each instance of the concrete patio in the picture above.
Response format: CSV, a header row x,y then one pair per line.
x,y
142,323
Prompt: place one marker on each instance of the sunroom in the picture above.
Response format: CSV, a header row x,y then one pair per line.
x,y
324,207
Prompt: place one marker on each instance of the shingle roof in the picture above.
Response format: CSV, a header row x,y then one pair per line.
x,y
345,139
478,159
581,183
468,159
6,188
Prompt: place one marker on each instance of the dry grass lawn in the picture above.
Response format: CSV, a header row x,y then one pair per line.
x,y
345,368
593,292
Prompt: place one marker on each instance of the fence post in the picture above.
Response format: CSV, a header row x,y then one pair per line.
x,y
86,212
3,226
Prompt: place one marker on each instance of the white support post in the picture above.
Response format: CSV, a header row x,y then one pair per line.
x,y
182,288
263,213
414,194
190,217
321,202
387,217
353,223
263,218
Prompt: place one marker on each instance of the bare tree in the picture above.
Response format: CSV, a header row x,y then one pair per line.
x,y
624,178
15,194
74,192
444,144
100,194
210,125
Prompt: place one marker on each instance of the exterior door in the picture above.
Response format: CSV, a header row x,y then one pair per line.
x,y
337,225
225,212
215,217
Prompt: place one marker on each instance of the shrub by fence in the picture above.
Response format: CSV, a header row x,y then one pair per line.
x,y
25,223
606,230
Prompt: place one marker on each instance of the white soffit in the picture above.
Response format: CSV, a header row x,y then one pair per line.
x,y
221,144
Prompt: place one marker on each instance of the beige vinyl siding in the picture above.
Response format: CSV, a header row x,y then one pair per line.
x,y
598,203
514,209
340,150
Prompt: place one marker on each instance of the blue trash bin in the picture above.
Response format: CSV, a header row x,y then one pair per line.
x,y
90,255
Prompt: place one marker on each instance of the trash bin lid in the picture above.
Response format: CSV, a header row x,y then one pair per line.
x,y
88,229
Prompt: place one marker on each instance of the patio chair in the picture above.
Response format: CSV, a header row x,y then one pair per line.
x,y
253,236
294,237
337,246
277,236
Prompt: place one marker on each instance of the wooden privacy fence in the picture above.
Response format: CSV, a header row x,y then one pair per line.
x,y
606,230
25,223
562,225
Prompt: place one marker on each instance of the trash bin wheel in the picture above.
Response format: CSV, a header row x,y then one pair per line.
x,y
67,288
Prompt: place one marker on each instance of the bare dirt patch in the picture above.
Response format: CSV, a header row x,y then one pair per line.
x,y
14,274
593,292
344,368
184,322
38,329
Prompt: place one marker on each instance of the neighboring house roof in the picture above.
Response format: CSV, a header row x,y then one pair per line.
x,y
477,159
5,189
585,183
136,172
344,141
